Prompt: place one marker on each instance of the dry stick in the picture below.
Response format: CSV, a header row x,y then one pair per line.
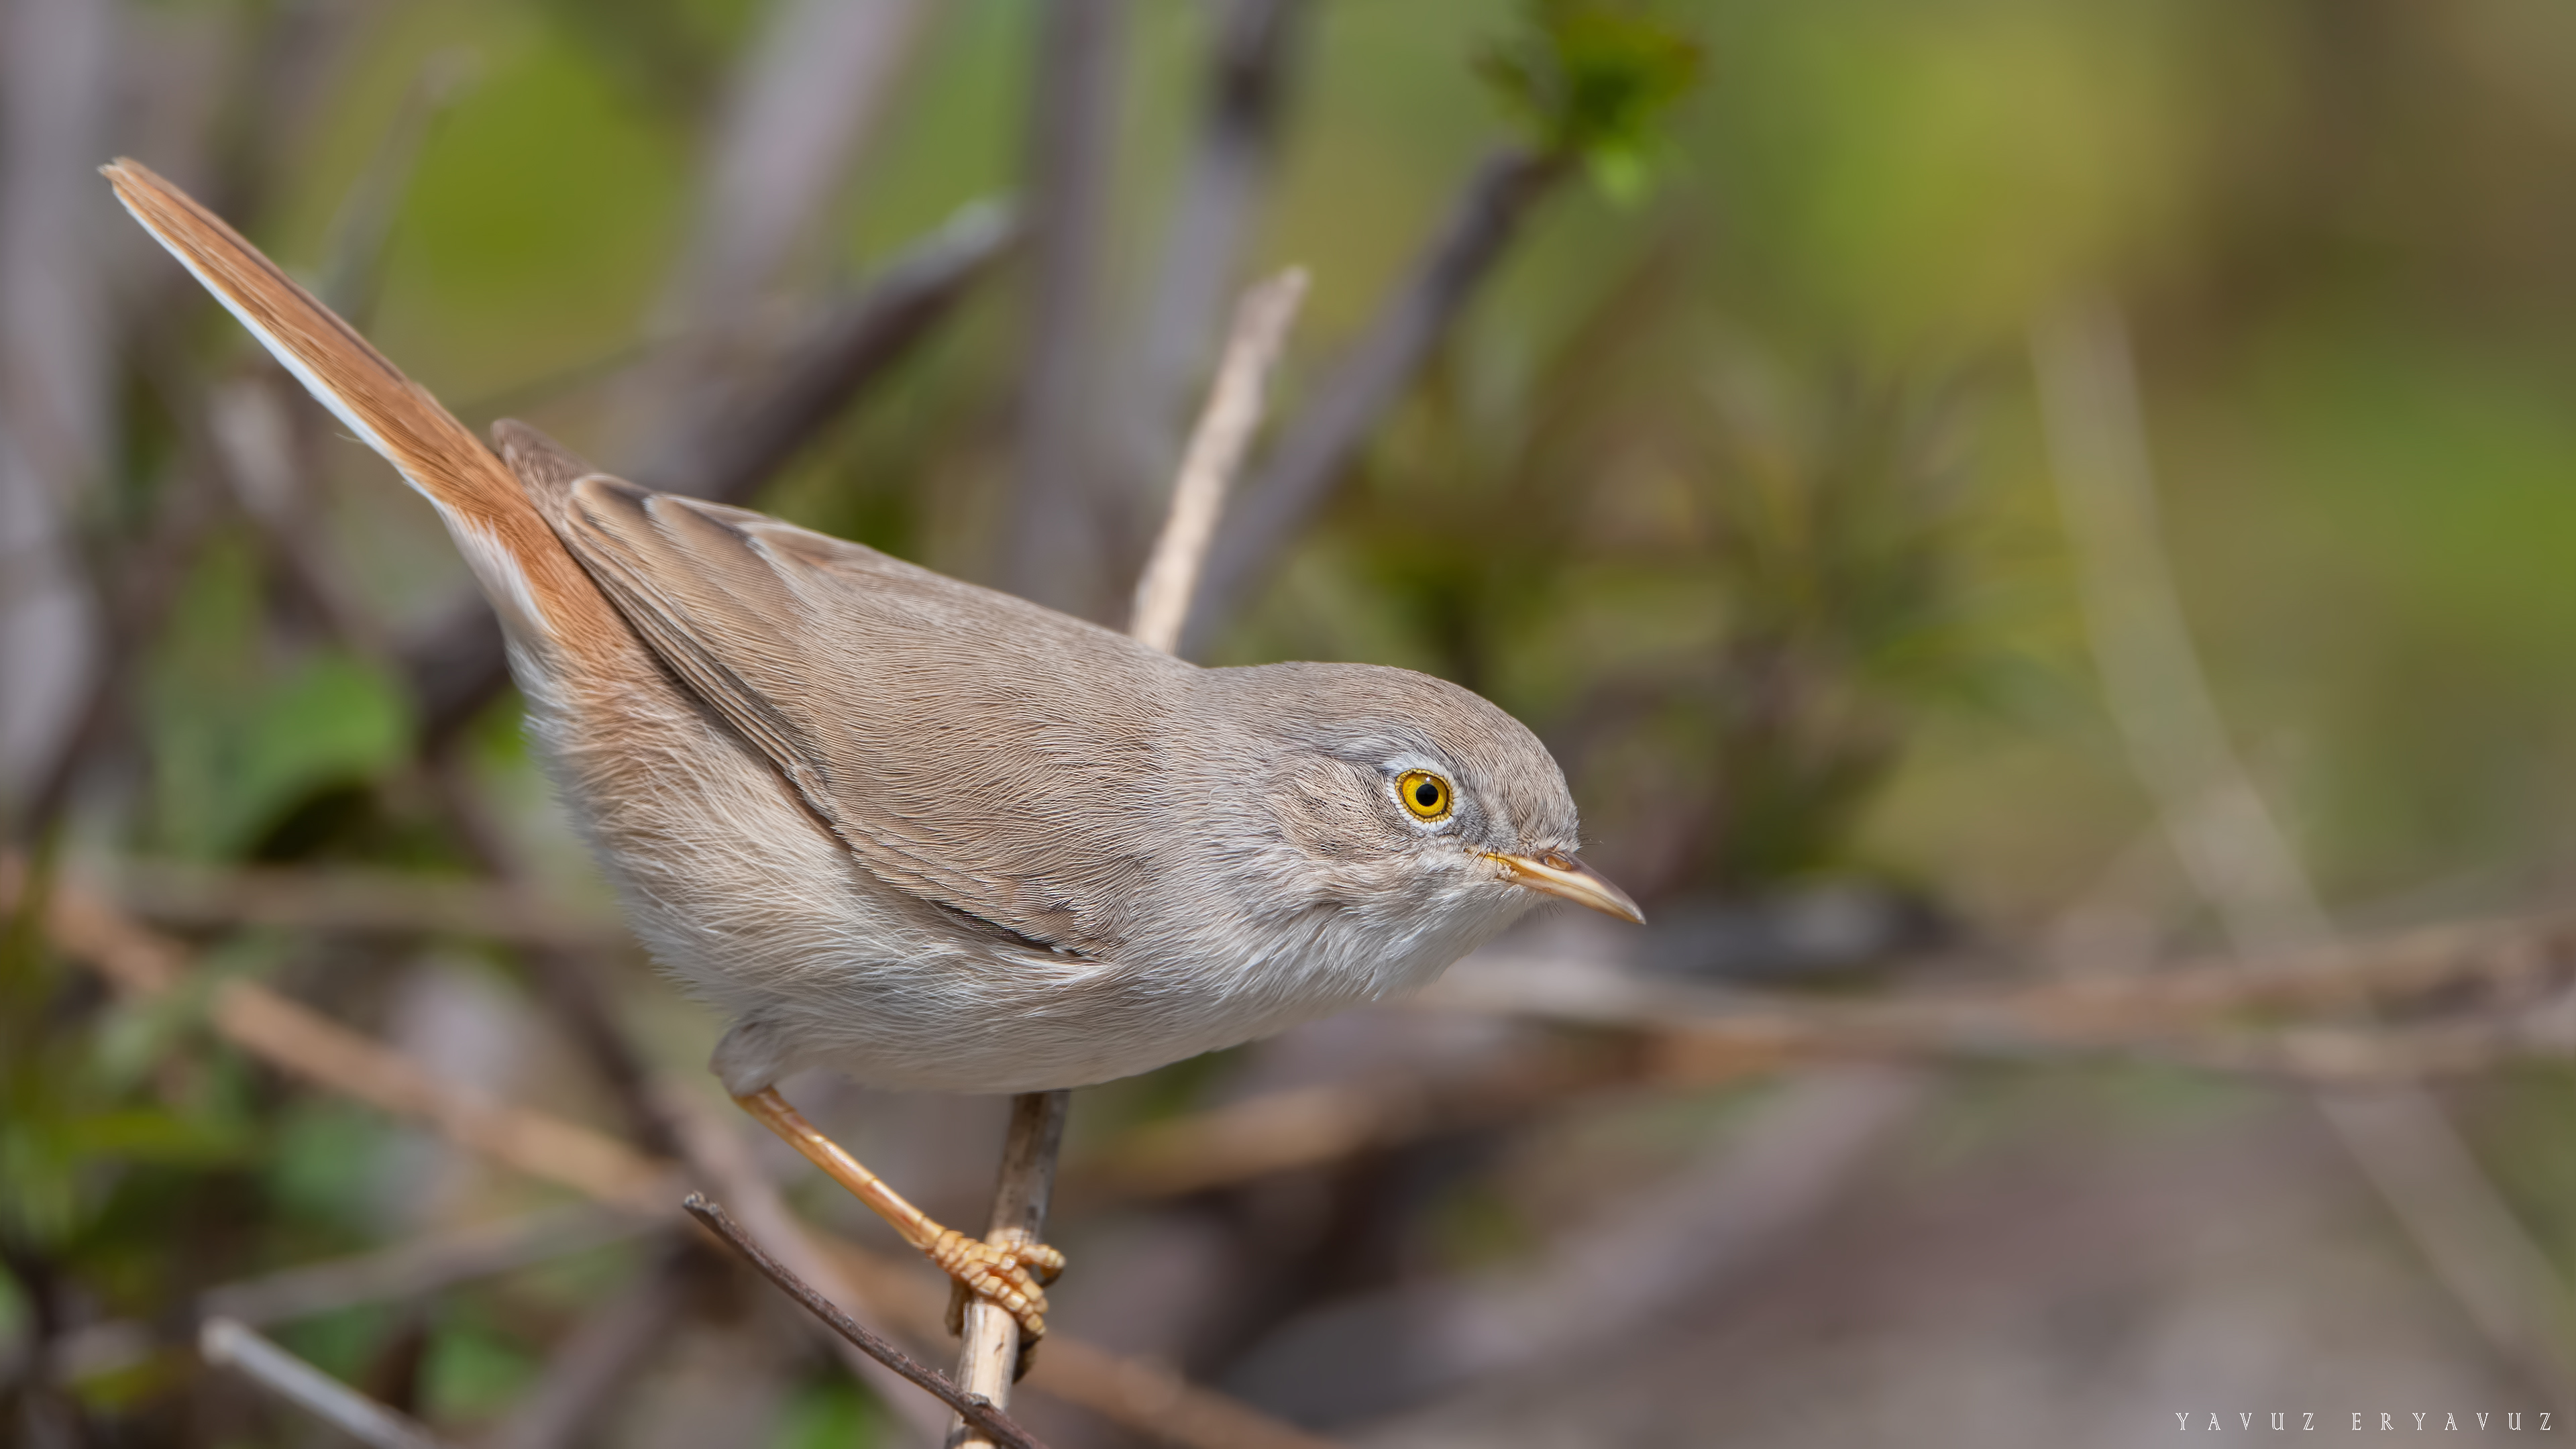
x,y
976,1409
232,1344
1224,434
408,1269
808,93
757,425
1228,173
1312,1127
365,222
143,963
992,1355
1051,549
57,72
2236,852
302,1041
724,1164
360,899
2526,971
1147,1397
1313,450
802,103
2176,994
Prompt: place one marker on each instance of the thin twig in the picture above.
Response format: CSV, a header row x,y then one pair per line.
x,y
1229,173
56,77
801,105
722,1161
1746,1194
229,1343
975,1409
807,94
359,899
993,1355
141,961
1224,432
300,1040
422,1265
365,222
1053,553
754,427
2236,852
1319,443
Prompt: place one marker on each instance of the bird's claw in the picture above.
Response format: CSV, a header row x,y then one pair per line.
x,y
1010,1276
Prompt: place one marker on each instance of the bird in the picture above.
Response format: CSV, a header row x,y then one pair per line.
x,y
927,834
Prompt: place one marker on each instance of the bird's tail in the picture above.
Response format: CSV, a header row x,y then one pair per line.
x,y
540,591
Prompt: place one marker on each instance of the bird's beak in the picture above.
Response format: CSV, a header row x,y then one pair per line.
x,y
1563,876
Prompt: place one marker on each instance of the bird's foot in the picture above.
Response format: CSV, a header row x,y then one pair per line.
x,y
1010,1276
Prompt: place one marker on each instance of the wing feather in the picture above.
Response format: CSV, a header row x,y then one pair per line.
x,y
966,744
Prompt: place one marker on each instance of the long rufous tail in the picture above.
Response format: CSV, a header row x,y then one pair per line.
x,y
538,588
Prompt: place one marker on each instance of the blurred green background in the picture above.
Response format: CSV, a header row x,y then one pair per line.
x,y
1731,479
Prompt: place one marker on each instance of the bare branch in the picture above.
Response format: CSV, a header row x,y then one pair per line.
x,y
354,899
310,1045
994,1356
2237,854
1225,429
1229,172
55,100
976,1409
1320,443
1136,1394
758,426
807,95
1053,554
143,962
229,1343
723,1164
799,107
1746,1193
365,222
410,1269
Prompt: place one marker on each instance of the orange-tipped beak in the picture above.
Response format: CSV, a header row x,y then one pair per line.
x,y
1563,876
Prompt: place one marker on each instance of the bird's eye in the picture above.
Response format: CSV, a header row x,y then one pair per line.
x,y
1425,794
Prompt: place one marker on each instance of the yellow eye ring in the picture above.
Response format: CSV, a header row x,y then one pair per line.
x,y
1423,793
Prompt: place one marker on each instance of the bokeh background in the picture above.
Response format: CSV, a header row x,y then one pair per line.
x,y
1797,413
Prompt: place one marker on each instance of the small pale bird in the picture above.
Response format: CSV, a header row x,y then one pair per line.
x,y
924,833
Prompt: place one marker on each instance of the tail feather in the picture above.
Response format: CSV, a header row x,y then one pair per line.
x,y
541,592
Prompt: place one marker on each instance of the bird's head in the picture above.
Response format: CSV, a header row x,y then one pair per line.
x,y
1410,796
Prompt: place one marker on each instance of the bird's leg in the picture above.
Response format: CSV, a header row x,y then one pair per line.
x,y
1013,1277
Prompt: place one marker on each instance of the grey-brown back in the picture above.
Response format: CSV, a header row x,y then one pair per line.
x,y
970,747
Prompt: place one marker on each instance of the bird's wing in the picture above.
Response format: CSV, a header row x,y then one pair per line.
x,y
970,747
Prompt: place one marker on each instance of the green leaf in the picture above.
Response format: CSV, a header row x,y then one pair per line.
x,y
151,1134
229,767
1593,80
